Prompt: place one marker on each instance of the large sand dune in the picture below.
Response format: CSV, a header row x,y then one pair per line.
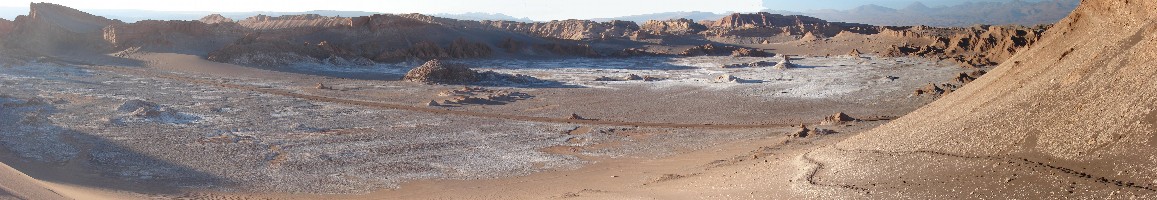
x,y
1071,116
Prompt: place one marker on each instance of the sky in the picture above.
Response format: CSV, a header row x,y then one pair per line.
x,y
540,10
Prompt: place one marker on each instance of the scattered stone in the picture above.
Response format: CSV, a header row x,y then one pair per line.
x,y
752,64
930,89
322,87
433,103
651,78
575,116
745,52
801,133
820,131
632,77
965,78
726,78
604,78
838,118
628,77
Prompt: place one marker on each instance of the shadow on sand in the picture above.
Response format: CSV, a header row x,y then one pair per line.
x,y
33,144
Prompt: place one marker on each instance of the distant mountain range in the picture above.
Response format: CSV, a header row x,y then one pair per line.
x,y
964,14
695,15
128,15
478,16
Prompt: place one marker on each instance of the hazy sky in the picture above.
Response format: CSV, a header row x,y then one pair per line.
x,y
533,9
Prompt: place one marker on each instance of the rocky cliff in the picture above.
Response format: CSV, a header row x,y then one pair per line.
x,y
263,22
55,29
672,27
6,28
973,46
194,37
767,24
570,29
271,41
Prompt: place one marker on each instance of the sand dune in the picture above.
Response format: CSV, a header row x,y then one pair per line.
x,y
15,185
1070,117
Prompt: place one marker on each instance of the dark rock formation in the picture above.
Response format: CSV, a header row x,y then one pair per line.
x,y
838,118
437,72
971,47
55,29
723,50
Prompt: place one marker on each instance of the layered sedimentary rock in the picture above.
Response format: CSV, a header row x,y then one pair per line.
x,y
263,22
194,37
974,46
672,27
54,29
766,24
570,29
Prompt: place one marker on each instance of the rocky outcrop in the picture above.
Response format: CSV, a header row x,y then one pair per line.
x,y
6,28
723,50
784,63
438,72
264,22
766,24
194,37
976,46
838,118
55,29
745,52
215,19
570,29
672,27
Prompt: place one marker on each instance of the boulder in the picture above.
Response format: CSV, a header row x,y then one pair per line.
x,y
785,63
575,116
838,118
745,52
802,132
726,78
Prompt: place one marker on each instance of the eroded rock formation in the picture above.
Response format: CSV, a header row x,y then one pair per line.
x,y
672,27
438,72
